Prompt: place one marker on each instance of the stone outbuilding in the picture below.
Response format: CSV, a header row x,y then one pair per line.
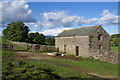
x,y
83,41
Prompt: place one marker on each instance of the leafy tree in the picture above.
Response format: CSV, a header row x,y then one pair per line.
x,y
115,40
36,38
42,39
50,41
16,31
30,37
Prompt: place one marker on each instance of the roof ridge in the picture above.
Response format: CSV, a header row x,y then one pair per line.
x,y
83,28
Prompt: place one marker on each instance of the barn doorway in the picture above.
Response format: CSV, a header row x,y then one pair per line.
x,y
77,50
64,48
57,49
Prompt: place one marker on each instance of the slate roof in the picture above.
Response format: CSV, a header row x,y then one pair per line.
x,y
85,31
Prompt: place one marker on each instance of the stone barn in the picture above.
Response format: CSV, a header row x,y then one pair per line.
x,y
83,41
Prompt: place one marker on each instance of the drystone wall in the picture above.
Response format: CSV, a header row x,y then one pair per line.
x,y
6,46
106,56
99,39
37,47
69,44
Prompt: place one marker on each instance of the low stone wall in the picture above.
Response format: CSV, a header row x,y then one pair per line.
x,y
6,46
106,56
37,47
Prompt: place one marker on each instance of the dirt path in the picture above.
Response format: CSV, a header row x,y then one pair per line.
x,y
30,56
69,58
84,70
42,57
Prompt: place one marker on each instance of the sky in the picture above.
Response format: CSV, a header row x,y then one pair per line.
x,y
51,18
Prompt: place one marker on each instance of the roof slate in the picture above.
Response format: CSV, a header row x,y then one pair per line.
x,y
85,31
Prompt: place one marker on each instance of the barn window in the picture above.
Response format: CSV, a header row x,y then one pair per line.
x,y
100,37
100,46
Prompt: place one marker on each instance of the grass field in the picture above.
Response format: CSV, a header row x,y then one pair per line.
x,y
13,68
4,41
92,65
36,69
115,49
15,46
54,68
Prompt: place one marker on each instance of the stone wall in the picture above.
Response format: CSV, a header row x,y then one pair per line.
x,y
103,43
106,56
69,44
6,46
37,47
96,46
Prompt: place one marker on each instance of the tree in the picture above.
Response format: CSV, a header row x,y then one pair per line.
x,y
42,39
50,41
30,37
115,39
16,31
36,38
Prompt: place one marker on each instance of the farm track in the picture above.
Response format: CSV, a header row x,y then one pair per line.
x,y
35,56
84,70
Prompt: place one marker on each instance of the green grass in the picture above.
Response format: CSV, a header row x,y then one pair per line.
x,y
15,68
4,41
19,69
95,66
15,46
61,71
35,69
18,47
0,63
115,49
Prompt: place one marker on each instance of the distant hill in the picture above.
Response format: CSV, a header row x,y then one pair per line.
x,y
46,37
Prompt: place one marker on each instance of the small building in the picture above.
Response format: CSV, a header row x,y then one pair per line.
x,y
83,41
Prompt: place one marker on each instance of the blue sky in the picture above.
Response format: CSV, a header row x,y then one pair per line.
x,y
51,18
85,9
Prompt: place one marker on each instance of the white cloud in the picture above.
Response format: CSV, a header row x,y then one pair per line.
x,y
61,19
108,18
90,21
56,21
72,20
52,32
53,19
16,11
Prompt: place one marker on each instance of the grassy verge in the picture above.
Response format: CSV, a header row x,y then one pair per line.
x,y
60,71
115,49
35,69
18,47
0,63
95,66
4,41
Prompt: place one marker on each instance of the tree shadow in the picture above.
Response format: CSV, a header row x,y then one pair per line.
x,y
51,74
